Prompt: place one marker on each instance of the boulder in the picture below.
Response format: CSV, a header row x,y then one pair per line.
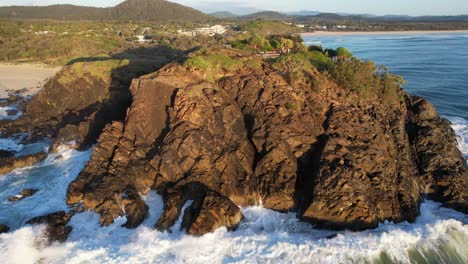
x,y
209,213
25,193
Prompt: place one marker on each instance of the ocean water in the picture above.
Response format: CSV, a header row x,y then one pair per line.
x,y
439,235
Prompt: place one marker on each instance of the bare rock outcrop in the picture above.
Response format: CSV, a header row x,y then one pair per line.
x,y
245,136
238,131
442,168
11,163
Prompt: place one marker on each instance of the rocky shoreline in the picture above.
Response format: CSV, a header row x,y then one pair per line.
x,y
241,136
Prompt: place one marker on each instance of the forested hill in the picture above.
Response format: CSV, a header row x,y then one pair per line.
x,y
136,10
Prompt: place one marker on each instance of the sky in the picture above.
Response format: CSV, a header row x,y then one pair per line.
x,y
376,7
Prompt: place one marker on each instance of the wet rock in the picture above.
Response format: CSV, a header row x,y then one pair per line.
x,y
6,154
71,136
11,112
210,213
9,164
25,193
3,228
57,229
276,174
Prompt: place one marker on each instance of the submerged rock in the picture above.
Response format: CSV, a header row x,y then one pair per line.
x,y
6,154
25,193
9,164
3,228
57,229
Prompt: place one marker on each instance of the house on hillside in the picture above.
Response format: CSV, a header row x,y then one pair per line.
x,y
206,31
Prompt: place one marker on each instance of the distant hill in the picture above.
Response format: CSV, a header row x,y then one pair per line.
x,y
136,10
223,14
303,13
266,15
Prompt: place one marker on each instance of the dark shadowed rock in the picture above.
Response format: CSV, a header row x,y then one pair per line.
x,y
9,164
57,229
6,154
3,229
22,195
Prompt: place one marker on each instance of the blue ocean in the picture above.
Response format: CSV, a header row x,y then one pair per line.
x,y
435,66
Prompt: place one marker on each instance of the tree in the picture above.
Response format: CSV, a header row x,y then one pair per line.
x,y
257,41
286,44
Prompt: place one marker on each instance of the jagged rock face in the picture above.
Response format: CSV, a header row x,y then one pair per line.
x,y
207,144
249,136
442,168
76,98
359,181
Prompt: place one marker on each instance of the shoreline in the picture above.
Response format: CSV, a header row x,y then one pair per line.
x,y
350,33
26,78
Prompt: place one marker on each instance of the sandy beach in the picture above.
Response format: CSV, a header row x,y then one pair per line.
x,y
15,77
344,33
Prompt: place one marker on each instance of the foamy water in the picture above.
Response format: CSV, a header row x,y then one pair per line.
x,y
439,235
4,112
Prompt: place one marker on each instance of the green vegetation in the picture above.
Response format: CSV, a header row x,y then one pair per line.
x,y
282,43
366,78
362,77
266,28
289,106
56,42
212,63
99,69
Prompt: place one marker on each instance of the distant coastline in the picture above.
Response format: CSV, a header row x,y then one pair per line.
x,y
344,33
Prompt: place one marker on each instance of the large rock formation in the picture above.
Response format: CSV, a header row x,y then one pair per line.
x,y
229,130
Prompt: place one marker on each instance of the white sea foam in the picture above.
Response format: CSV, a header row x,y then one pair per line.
x,y
439,235
460,125
10,144
4,114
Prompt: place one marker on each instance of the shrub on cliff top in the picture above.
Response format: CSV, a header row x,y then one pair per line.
x,y
100,69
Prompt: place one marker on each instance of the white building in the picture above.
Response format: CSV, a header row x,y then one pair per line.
x,y
207,31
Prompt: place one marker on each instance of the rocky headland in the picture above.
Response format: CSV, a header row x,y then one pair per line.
x,y
222,128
